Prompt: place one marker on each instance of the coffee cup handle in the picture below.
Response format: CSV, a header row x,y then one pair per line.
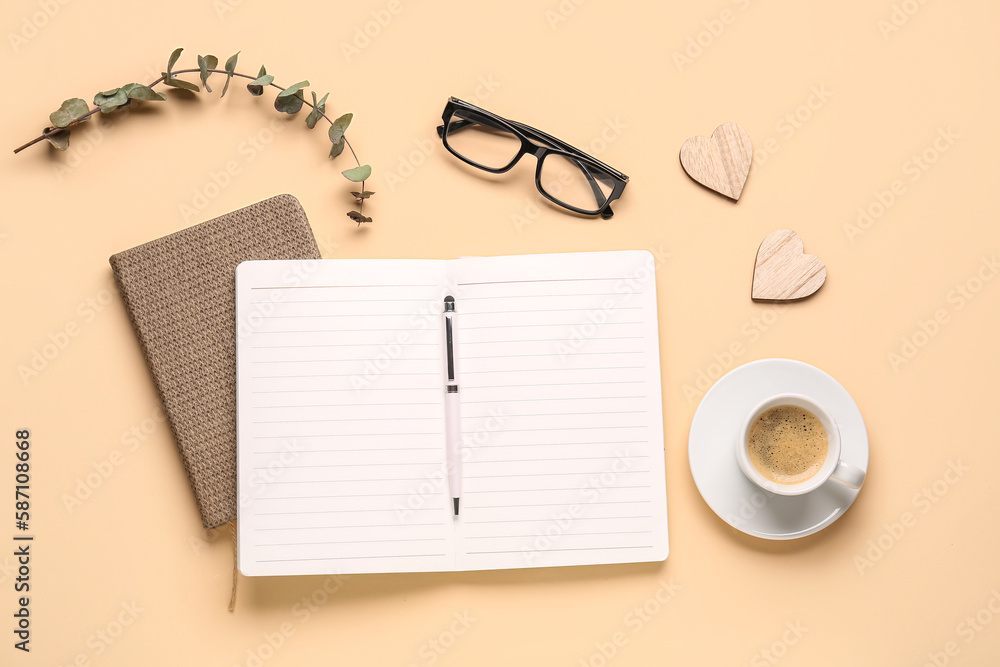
x,y
848,475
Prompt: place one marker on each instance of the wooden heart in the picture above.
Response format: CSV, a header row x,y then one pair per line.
x,y
720,162
783,272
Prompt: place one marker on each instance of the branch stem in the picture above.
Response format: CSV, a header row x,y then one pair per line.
x,y
56,130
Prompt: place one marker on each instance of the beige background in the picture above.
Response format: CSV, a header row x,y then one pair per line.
x,y
135,540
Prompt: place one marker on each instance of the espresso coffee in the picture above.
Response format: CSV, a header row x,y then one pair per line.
x,y
787,444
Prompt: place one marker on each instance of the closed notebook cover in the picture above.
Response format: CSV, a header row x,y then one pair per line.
x,y
179,291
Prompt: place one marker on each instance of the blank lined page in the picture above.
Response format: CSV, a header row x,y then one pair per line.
x,y
340,419
561,411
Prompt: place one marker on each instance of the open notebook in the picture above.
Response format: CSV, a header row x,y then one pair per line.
x,y
341,427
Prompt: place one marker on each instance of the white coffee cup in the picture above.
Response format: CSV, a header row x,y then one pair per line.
x,y
833,468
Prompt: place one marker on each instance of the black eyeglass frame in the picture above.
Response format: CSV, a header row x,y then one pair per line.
x,y
533,142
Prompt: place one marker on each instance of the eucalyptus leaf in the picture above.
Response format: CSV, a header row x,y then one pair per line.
x,y
206,63
256,87
337,148
357,217
293,89
339,127
173,59
230,68
60,139
363,195
179,83
358,174
69,111
110,100
319,108
290,104
137,91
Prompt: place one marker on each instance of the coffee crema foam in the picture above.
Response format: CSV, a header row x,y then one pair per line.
x,y
787,444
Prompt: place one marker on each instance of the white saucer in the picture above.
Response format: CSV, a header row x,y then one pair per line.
x,y
712,442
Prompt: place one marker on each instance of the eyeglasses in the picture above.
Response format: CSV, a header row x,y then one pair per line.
x,y
565,175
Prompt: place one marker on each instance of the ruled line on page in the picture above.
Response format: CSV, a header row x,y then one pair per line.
x,y
550,519
556,474
415,509
593,504
541,310
548,280
558,488
543,296
575,458
641,546
347,419
555,324
552,398
366,300
561,414
296,544
292,560
333,286
545,370
367,449
550,384
368,344
508,537
548,354
545,340
361,525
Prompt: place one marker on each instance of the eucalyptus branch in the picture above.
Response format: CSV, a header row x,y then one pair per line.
x,y
290,100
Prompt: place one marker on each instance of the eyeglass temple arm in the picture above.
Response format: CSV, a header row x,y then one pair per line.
x,y
558,143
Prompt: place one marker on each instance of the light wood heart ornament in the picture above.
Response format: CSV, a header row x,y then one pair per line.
x,y
720,162
783,272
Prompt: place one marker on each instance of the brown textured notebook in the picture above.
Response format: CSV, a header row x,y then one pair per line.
x,y
180,294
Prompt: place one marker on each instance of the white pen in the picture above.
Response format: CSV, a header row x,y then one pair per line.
x,y
452,413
